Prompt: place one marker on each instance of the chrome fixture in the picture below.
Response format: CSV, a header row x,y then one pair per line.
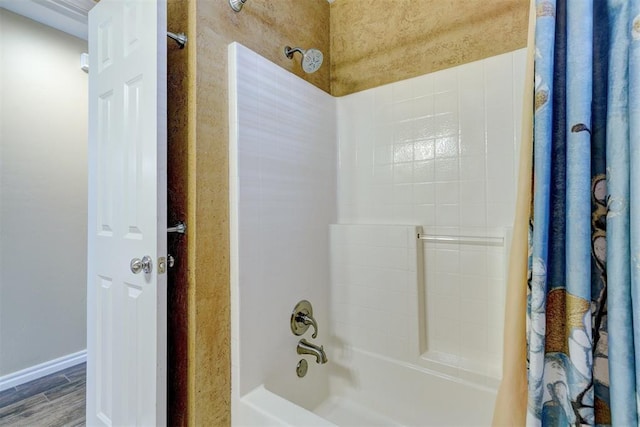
x,y
164,263
145,264
305,347
180,38
180,228
302,318
302,368
311,58
236,5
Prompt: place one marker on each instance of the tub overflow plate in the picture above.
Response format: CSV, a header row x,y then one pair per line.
x,y
302,367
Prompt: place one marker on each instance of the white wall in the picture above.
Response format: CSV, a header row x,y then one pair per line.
x,y
283,198
439,151
43,185
375,291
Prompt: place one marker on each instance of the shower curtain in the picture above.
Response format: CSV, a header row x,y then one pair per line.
x,y
583,309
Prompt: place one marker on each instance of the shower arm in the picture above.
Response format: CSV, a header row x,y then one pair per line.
x,y
289,51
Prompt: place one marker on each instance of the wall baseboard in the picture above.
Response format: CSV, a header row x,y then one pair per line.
x,y
38,371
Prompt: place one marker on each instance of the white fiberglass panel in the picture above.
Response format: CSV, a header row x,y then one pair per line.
x,y
282,181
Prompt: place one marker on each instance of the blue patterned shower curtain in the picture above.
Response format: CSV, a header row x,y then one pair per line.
x,y
583,329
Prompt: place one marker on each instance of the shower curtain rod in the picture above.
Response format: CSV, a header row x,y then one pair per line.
x,y
464,240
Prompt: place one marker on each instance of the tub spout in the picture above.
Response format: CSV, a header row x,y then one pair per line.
x,y
305,347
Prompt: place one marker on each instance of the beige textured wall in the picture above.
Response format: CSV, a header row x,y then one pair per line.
x,y
374,42
264,26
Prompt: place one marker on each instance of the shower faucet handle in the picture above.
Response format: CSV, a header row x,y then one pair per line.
x,y
308,321
302,318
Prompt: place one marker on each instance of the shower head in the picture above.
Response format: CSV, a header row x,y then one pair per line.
x,y
311,58
236,5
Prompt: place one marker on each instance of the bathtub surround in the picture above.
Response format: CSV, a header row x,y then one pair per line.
x,y
43,201
397,296
376,290
440,150
282,189
437,150
405,150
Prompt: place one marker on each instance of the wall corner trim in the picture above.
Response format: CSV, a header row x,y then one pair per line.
x,y
37,371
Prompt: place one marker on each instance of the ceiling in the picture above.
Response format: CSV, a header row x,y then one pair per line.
x,y
69,16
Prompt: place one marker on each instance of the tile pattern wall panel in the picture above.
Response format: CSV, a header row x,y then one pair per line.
x,y
282,194
440,148
374,292
440,151
465,306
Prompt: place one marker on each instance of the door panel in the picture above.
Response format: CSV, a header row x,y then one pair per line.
x,y
126,363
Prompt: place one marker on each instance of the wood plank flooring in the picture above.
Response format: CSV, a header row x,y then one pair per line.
x,y
55,400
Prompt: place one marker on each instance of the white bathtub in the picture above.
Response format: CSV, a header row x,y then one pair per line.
x,y
372,391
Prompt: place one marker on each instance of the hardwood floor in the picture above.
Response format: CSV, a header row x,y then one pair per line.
x,y
55,400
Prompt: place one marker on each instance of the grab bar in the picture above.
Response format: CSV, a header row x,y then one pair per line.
x,y
463,240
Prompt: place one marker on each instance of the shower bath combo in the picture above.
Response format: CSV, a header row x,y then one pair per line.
x,y
362,373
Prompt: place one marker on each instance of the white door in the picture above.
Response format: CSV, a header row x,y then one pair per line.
x,y
126,311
